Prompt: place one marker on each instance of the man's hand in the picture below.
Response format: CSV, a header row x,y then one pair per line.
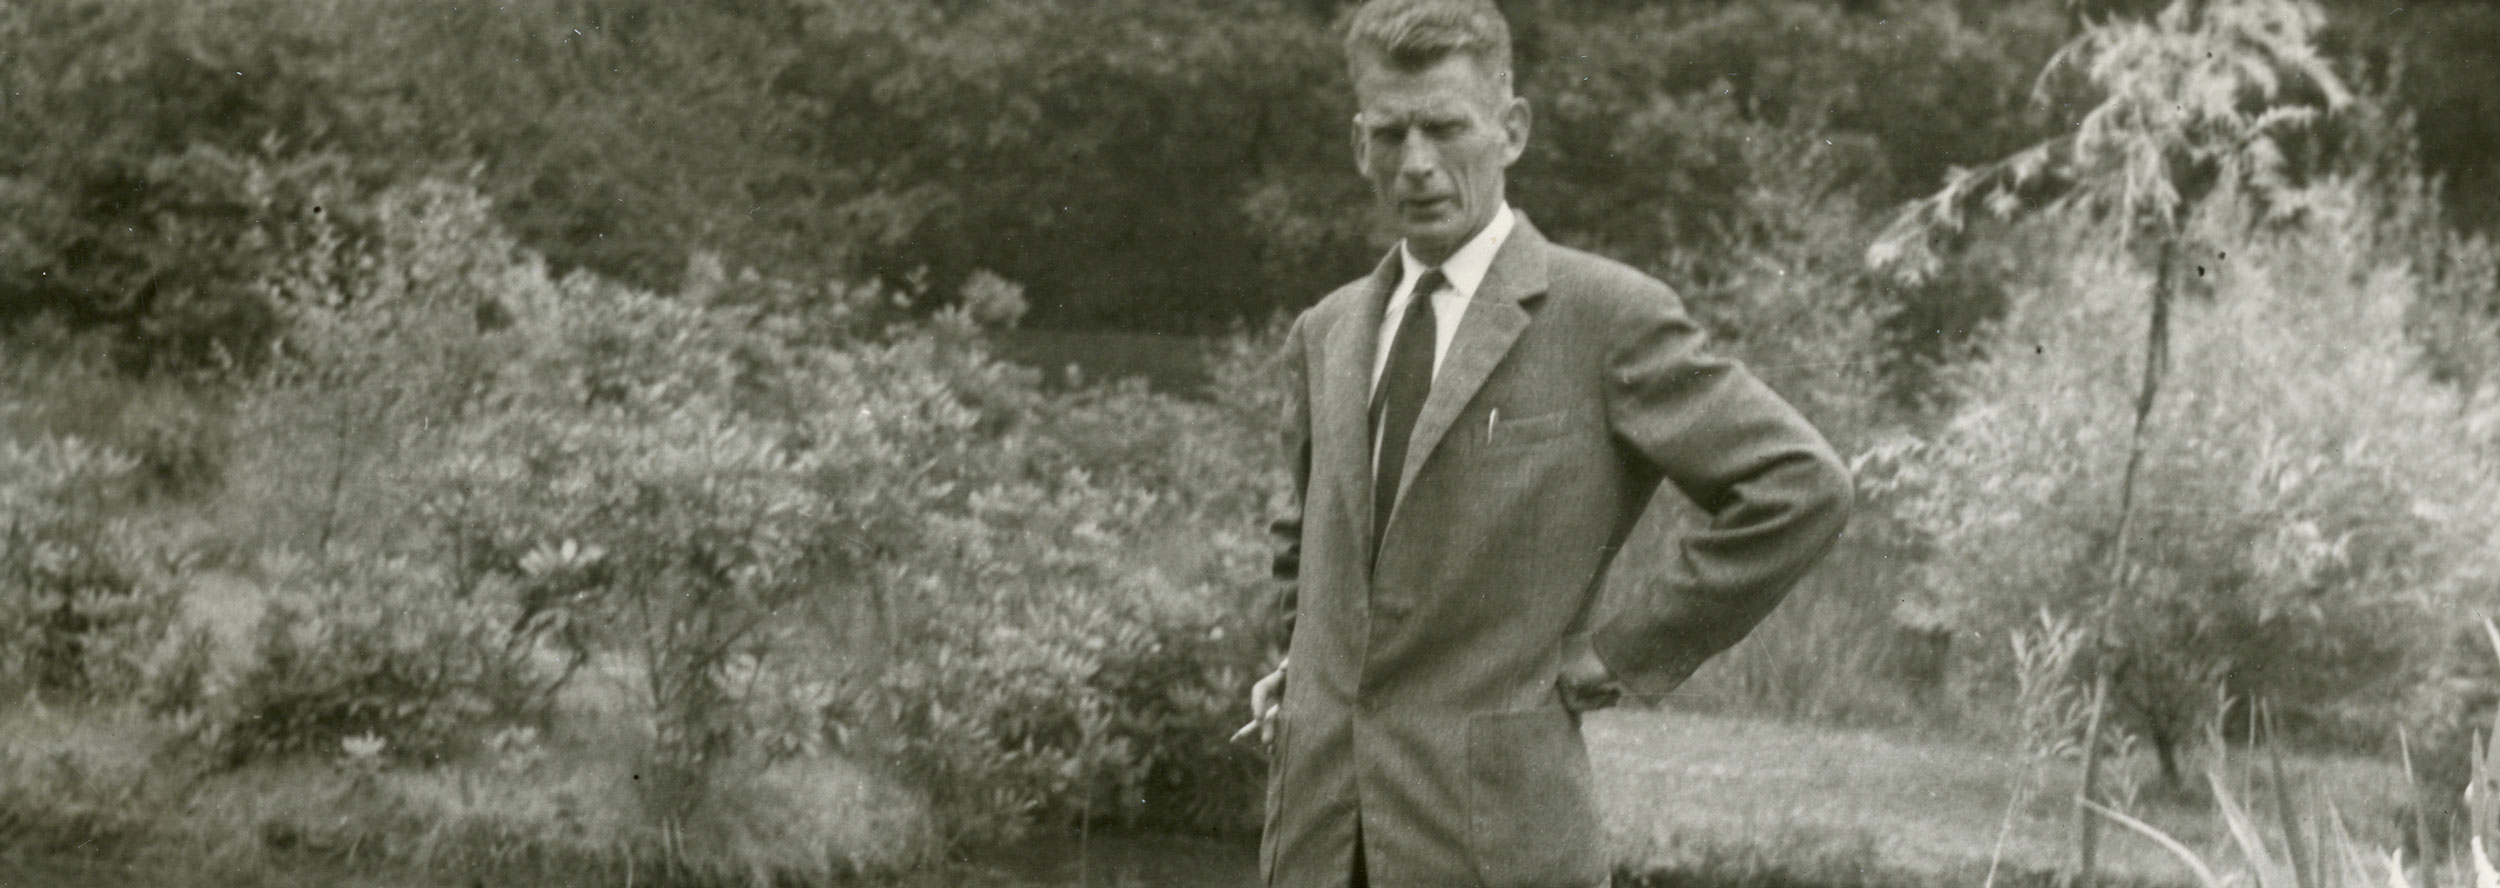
x,y
1267,700
1587,684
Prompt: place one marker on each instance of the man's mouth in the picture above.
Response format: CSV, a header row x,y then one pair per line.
x,y
1427,204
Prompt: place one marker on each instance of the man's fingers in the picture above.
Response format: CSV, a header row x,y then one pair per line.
x,y
1264,726
1263,693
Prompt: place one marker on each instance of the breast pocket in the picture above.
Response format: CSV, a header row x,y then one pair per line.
x,y
1502,433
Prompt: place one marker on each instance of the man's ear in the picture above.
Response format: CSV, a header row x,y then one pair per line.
x,y
1516,120
1362,147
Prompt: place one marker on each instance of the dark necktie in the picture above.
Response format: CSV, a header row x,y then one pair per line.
x,y
1404,384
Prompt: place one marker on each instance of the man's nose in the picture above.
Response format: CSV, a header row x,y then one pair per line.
x,y
1416,159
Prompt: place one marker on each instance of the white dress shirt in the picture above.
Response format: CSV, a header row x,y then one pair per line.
x,y
1465,270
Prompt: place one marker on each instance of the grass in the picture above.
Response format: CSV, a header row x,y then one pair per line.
x,y
1735,800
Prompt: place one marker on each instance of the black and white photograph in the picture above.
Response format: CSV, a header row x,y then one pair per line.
x,y
1249,444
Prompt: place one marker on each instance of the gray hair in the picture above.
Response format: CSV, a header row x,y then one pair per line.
x,y
1411,35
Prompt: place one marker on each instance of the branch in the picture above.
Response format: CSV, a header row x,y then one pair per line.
x,y
1910,247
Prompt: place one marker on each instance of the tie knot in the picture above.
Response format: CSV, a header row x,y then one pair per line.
x,y
1430,282
1426,284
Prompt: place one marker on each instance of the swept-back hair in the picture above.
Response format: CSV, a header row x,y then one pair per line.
x,y
1411,35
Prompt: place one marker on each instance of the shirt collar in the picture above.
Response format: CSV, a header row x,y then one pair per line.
x,y
1467,267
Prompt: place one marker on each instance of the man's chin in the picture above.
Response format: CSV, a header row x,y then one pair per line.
x,y
1441,228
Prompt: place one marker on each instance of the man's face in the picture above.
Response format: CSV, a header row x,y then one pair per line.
x,y
1434,144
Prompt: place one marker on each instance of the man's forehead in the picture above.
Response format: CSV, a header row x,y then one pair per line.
x,y
1453,80
1394,97
1413,111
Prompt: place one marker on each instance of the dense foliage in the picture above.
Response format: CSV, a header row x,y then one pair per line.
x,y
84,598
2307,511
417,388
1179,159
791,520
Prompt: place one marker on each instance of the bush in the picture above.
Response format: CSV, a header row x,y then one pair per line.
x,y
796,528
1085,621
381,657
86,598
1068,697
2311,504
61,384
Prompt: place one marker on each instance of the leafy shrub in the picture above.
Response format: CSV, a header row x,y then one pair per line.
x,y
620,470
1083,621
174,260
2309,498
796,528
85,598
179,442
1021,701
381,650
59,383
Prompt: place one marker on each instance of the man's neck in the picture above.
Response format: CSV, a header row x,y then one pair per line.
x,y
1465,264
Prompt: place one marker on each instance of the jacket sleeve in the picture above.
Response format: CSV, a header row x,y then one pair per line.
x,y
1286,527
1776,496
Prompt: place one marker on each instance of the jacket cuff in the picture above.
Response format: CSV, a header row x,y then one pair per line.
x,y
1647,671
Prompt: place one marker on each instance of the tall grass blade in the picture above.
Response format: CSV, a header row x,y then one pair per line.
x,y
2318,834
2270,871
2087,829
2347,851
2204,874
2005,825
2421,814
2483,808
2304,867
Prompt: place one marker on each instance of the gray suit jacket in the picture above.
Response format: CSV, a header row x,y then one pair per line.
x,y
1422,698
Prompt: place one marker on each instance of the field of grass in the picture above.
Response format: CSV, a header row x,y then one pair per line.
x,y
1724,800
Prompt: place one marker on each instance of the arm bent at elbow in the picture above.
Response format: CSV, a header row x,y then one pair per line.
x,y
1776,494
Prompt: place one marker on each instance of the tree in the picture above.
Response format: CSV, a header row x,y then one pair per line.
x,y
2195,103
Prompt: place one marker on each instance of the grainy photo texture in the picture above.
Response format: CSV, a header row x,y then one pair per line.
x,y
1230,443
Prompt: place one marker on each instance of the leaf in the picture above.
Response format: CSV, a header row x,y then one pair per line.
x,y
2204,874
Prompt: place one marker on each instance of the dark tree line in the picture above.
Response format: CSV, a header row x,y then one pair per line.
x,y
1140,165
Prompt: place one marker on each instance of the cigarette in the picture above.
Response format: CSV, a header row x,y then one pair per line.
x,y
1252,729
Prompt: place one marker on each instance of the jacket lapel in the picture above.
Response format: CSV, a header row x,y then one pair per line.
x,y
1485,334
1344,415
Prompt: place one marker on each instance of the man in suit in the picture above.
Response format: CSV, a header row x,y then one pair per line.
x,y
1478,425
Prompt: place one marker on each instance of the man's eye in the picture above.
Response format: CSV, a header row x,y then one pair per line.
x,y
1443,131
